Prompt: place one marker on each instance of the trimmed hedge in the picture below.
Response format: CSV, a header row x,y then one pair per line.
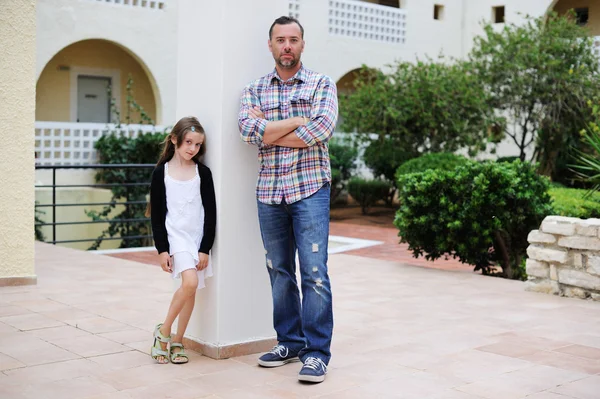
x,y
570,202
480,213
368,192
436,161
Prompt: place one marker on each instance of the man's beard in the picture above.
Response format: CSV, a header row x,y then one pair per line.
x,y
291,63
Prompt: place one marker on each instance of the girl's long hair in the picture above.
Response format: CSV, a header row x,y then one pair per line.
x,y
183,126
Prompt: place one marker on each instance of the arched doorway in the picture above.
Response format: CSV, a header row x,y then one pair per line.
x,y
73,85
587,12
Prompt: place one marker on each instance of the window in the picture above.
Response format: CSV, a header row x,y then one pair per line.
x,y
390,3
438,12
582,15
498,14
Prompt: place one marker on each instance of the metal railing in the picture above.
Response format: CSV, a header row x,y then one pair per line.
x,y
53,205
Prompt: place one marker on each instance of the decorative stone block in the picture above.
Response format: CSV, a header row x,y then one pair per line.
x,y
575,292
557,227
578,278
543,286
577,260
586,229
593,265
536,236
547,254
537,269
553,273
578,242
595,297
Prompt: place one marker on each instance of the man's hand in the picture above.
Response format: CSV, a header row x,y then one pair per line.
x,y
202,261
166,262
256,113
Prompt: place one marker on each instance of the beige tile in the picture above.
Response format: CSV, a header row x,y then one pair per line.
x,y
30,321
90,345
127,336
333,383
146,375
35,351
581,351
237,378
98,325
586,388
548,395
520,383
123,360
53,372
7,363
12,310
510,350
39,305
54,334
420,385
564,361
81,387
5,329
68,314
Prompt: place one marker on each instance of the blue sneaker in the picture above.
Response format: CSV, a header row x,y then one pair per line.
x,y
278,356
314,370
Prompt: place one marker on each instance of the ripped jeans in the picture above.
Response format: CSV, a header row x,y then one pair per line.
x,y
303,227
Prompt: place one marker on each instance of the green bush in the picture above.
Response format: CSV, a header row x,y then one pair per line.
x,y
571,202
440,160
343,163
480,213
368,192
113,149
507,159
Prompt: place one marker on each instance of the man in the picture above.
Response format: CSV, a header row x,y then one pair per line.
x,y
290,114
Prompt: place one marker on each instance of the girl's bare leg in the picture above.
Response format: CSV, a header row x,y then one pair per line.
x,y
183,295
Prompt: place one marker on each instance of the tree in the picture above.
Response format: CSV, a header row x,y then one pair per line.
x,y
420,107
539,76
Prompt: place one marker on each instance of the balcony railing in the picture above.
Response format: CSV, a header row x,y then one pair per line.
x,y
361,20
72,143
147,4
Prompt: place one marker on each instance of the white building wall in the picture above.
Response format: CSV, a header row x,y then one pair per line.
x,y
149,35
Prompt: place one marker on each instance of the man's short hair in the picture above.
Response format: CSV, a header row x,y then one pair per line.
x,y
285,20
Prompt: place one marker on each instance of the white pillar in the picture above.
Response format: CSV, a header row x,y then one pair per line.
x,y
222,46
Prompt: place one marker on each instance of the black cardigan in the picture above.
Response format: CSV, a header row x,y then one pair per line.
x,y
158,208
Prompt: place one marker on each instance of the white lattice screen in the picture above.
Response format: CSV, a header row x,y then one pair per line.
x,y
70,143
294,8
362,20
149,4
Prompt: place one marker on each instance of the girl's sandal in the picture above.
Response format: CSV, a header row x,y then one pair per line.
x,y
179,357
157,350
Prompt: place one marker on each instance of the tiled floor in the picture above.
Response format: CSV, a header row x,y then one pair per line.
x,y
400,332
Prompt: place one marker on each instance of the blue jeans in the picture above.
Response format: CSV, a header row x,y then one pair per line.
x,y
304,227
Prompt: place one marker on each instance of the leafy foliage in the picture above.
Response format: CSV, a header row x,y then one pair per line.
x,y
114,148
39,235
480,213
539,75
588,156
368,192
343,164
435,161
418,108
575,203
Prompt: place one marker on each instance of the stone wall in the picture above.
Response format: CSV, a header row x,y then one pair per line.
x,y
564,257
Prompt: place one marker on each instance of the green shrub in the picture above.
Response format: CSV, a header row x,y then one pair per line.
x,y
368,192
507,159
440,160
480,213
343,163
571,202
112,149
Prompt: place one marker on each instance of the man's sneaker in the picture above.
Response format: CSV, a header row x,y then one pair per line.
x,y
278,356
314,370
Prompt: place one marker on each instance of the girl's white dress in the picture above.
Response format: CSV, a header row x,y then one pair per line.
x,y
185,225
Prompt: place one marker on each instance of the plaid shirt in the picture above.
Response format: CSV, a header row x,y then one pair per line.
x,y
291,173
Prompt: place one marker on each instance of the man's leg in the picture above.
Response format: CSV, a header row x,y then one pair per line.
x,y
278,239
311,227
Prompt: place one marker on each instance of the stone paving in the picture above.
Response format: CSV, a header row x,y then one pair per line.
x,y
401,331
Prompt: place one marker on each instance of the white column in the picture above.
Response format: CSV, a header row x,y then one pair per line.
x,y
222,46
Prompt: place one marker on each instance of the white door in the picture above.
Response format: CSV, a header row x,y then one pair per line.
x,y
93,103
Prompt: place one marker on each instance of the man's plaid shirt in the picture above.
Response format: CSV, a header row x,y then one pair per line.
x,y
291,173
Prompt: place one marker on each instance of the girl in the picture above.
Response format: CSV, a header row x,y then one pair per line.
x,y
183,215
